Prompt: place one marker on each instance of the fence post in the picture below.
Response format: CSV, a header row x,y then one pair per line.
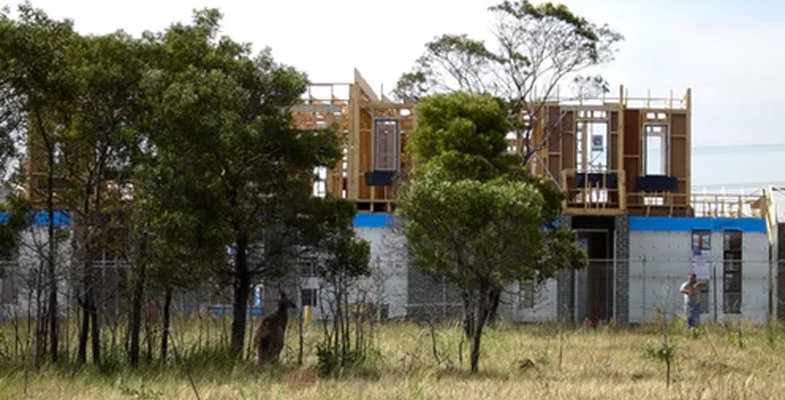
x,y
713,288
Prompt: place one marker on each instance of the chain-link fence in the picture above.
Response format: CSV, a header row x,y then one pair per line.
x,y
638,290
634,290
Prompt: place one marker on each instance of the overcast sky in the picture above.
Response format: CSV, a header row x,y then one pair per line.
x,y
729,53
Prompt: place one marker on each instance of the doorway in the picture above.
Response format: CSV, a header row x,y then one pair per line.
x,y
594,285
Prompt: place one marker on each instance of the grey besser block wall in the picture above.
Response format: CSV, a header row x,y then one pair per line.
x,y
622,257
565,285
429,298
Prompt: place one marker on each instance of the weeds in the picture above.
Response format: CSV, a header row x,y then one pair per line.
x,y
401,365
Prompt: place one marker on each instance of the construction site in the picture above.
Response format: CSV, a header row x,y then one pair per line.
x,y
624,164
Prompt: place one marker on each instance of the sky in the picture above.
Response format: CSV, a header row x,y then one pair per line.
x,y
728,53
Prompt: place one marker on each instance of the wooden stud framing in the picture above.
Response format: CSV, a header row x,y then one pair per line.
x,y
356,118
353,113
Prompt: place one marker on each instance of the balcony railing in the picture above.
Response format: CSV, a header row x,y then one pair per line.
x,y
698,205
603,193
598,193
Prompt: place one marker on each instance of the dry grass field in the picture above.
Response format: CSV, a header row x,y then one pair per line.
x,y
595,364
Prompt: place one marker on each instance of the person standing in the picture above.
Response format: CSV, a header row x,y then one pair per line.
x,y
692,300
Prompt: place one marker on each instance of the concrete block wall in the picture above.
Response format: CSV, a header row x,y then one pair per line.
x,y
652,256
544,303
661,257
566,286
430,298
389,268
622,279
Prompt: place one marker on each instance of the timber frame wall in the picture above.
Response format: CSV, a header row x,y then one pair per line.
x,y
603,173
374,130
597,152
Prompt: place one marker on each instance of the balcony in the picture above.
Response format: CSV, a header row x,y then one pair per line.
x,y
593,193
694,205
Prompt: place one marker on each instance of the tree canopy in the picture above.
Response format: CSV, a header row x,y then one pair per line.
x,y
475,215
538,49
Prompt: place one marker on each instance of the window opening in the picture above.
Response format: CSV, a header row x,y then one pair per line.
x,y
309,297
732,268
701,253
655,150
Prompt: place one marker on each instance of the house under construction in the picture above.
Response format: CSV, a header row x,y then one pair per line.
x,y
624,164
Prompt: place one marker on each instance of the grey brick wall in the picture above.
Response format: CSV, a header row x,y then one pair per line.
x,y
781,271
565,285
429,298
622,256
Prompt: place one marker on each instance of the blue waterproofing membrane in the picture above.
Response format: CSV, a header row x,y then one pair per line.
x,y
655,224
41,218
382,220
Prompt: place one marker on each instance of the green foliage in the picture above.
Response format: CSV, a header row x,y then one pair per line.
x,y
19,215
470,202
538,48
331,362
475,232
344,255
773,331
665,352
226,152
474,214
460,134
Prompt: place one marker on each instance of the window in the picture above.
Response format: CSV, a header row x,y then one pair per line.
x,y
309,297
732,266
526,294
591,145
307,268
701,240
701,245
655,145
385,133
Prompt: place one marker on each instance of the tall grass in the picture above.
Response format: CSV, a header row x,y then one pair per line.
x,y
604,363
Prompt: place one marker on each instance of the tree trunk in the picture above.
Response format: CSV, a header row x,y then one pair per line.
x,y
300,322
51,270
81,352
40,318
51,319
148,331
136,317
95,331
468,314
166,324
481,312
242,290
494,298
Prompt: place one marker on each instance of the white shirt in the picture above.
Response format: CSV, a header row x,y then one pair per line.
x,y
693,298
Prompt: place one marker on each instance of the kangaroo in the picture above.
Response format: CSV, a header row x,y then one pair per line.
x,y
271,332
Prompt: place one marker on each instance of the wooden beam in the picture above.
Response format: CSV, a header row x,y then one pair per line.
x,y
602,212
315,108
688,161
353,174
364,86
387,105
622,179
